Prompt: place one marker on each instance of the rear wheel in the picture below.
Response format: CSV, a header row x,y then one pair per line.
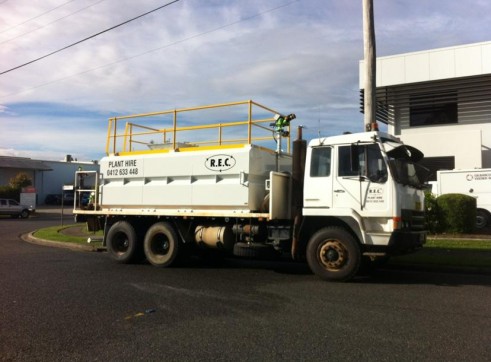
x,y
122,242
333,254
161,245
24,214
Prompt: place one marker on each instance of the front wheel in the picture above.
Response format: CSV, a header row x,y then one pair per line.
x,y
482,219
333,254
24,214
161,245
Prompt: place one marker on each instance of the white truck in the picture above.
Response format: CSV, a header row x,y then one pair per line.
x,y
472,182
338,202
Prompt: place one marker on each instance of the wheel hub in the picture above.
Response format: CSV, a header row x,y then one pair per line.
x,y
121,243
333,255
165,245
160,245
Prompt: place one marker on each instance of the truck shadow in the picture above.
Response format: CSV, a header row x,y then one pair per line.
x,y
415,276
276,265
396,275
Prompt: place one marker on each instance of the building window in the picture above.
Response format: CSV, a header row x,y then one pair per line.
x,y
320,165
434,164
428,109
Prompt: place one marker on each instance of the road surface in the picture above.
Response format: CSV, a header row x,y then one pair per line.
x,y
58,304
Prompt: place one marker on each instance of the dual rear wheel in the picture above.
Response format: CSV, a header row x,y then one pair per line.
x,y
160,244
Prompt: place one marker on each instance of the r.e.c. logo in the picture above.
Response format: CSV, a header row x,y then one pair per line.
x,y
220,163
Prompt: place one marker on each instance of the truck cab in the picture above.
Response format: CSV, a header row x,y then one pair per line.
x,y
368,185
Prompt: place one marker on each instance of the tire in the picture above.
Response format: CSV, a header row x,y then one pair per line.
x,y
122,242
482,219
161,245
24,214
333,254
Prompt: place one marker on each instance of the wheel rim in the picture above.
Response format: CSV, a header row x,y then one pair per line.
x,y
160,245
120,244
481,220
333,255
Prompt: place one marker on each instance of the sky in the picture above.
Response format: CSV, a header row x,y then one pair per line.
x,y
295,56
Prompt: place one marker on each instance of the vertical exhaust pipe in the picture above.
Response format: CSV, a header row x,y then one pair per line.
x,y
298,171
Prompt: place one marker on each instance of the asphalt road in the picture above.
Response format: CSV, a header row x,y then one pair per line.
x,y
63,305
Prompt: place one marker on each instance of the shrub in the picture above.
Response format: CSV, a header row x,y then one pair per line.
x,y
456,213
432,213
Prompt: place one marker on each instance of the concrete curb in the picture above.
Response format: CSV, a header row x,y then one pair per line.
x,y
30,238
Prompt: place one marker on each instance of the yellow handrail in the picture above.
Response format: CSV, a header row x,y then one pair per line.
x,y
135,134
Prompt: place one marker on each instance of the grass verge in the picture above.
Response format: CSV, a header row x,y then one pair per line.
x,y
56,233
459,244
459,253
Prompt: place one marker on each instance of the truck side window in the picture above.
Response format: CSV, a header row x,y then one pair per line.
x,y
345,161
320,164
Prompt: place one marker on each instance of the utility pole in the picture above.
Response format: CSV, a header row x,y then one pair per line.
x,y
370,66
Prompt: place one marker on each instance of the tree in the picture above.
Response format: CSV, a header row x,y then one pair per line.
x,y
21,180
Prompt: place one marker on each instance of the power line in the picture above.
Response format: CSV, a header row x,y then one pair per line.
x,y
90,37
54,21
37,16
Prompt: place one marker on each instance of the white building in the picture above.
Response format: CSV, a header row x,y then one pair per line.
x,y
440,102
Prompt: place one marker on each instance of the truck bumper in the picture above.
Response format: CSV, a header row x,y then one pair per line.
x,y
403,242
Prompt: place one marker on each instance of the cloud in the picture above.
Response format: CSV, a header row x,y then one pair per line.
x,y
294,56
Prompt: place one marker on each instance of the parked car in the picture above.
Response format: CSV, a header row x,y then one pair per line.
x,y
14,209
53,199
68,198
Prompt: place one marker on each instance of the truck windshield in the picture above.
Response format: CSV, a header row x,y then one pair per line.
x,y
404,167
363,160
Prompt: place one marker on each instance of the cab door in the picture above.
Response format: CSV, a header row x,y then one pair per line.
x,y
360,181
318,178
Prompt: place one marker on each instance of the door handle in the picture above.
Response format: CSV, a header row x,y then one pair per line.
x,y
339,191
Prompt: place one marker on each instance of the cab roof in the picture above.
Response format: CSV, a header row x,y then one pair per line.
x,y
350,138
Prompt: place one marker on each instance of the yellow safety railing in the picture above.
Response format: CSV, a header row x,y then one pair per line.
x,y
147,132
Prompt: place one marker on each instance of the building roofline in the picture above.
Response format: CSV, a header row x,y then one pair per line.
x,y
435,50
460,61
23,163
